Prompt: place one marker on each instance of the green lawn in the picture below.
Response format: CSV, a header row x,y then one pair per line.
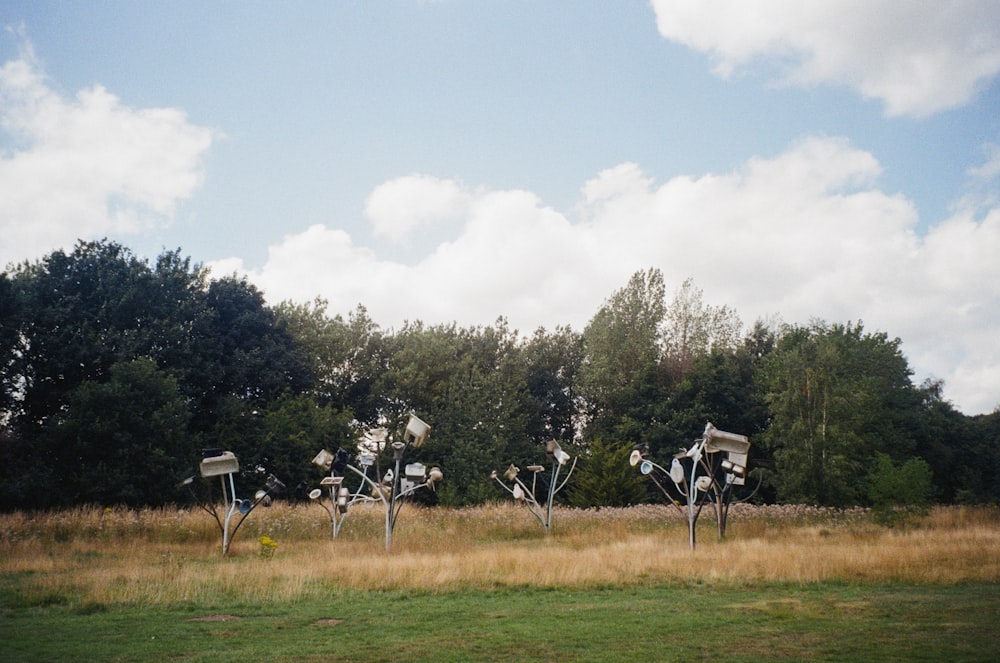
x,y
824,622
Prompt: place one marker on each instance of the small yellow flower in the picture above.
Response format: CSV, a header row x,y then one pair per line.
x,y
267,547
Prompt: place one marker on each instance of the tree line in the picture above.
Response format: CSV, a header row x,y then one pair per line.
x,y
117,374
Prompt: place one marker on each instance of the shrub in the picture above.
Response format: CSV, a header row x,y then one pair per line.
x,y
899,492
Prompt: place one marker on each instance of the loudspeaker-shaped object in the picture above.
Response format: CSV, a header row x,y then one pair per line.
x,y
273,484
518,493
416,431
555,452
244,506
645,467
415,471
719,440
340,460
635,457
342,496
676,471
323,459
434,477
736,465
223,463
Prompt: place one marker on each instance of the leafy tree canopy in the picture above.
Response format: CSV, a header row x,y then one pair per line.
x,y
115,374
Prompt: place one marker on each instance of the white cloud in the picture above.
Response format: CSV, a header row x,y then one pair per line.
x,y
803,234
88,166
397,207
918,57
991,168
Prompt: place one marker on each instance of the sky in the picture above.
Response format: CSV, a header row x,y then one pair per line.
x,y
462,160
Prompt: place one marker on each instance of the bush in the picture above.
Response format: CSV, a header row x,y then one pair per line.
x,y
900,492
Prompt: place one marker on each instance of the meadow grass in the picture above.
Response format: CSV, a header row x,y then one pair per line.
x,y
464,584
150,557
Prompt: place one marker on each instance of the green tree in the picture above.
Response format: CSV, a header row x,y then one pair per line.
x,y
551,364
243,360
620,374
899,492
118,441
80,315
834,395
603,477
10,346
294,429
348,356
977,468
469,385
693,328
247,351
719,388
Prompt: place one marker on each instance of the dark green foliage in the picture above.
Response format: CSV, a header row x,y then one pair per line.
x,y
115,374
11,313
603,477
346,356
118,441
977,468
621,376
551,365
838,396
469,386
900,491
280,437
719,388
248,351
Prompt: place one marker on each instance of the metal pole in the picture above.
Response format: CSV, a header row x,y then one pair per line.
x,y
333,513
390,517
693,492
552,492
230,508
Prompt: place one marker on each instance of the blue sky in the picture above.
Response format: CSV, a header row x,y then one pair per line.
x,y
456,160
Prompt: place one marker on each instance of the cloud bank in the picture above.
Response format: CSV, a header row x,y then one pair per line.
x,y
87,166
802,234
917,57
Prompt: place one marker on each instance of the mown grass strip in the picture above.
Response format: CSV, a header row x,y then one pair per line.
x,y
829,622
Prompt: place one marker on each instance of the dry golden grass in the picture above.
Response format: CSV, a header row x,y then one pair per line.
x,y
157,557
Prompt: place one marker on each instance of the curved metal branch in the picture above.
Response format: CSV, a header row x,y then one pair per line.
x,y
571,468
760,482
376,488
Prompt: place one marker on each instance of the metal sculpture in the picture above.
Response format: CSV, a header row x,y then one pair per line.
x,y
704,473
540,486
391,490
225,464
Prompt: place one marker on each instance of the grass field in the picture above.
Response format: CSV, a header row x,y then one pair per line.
x,y
789,583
